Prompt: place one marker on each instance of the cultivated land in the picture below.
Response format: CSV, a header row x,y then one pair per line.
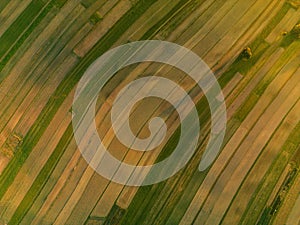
x,y
45,47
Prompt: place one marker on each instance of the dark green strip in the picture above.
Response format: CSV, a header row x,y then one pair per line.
x,y
16,45
187,5
3,4
19,25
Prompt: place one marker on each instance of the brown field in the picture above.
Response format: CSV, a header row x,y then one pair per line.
x,y
45,180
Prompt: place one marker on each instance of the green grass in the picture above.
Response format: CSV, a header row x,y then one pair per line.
x,y
296,158
265,217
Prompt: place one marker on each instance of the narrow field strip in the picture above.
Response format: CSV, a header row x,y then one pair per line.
x,y
11,13
3,4
241,93
51,137
219,30
154,14
251,36
24,65
55,83
294,216
177,17
285,25
279,183
286,213
205,23
38,25
60,66
62,168
26,32
19,49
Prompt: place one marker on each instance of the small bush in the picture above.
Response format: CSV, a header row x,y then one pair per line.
x,y
246,53
296,31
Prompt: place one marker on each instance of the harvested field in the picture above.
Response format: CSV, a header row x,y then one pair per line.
x,y
47,45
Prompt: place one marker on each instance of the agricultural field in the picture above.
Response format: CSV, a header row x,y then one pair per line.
x,y
253,49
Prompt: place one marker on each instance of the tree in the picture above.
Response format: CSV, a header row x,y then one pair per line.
x,y
246,53
296,30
